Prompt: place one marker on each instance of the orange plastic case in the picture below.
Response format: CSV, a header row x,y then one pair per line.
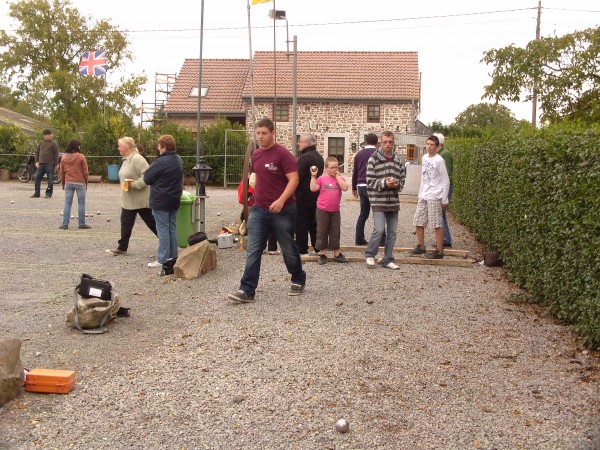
x,y
50,381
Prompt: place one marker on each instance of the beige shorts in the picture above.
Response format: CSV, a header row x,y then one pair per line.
x,y
429,212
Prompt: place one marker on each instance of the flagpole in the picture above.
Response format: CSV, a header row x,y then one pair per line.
x,y
252,111
104,101
274,67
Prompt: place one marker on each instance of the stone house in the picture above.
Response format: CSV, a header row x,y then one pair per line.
x,y
340,95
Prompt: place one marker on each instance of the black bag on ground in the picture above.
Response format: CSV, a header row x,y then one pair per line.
x,y
196,238
168,268
90,286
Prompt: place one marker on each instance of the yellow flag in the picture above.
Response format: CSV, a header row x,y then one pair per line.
x,y
254,2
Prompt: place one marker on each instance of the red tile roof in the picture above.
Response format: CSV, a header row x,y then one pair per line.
x,y
339,75
224,78
390,76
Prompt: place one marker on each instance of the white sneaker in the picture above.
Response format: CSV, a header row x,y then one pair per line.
x,y
371,263
274,252
392,265
154,264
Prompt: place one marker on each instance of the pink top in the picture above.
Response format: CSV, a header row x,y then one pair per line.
x,y
330,194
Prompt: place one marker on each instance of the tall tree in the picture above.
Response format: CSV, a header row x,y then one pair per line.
x,y
486,115
40,60
567,71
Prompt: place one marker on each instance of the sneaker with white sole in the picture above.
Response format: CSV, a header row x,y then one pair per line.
x,y
371,262
240,297
296,289
391,265
154,264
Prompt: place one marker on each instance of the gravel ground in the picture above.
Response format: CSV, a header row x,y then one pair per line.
x,y
426,357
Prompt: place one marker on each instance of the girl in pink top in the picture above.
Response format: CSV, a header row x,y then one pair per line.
x,y
330,186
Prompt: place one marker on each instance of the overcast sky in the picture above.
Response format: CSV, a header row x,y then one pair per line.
x,y
449,36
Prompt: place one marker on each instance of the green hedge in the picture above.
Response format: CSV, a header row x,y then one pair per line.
x,y
534,195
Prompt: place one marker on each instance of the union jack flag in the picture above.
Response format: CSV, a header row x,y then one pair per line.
x,y
93,63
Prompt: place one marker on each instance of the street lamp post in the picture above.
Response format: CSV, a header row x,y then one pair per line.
x,y
278,14
202,174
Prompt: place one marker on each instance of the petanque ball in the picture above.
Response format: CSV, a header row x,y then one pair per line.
x,y
342,426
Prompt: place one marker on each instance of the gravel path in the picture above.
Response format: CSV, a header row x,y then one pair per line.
x,y
426,357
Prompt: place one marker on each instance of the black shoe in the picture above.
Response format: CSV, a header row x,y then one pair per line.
x,y
434,255
64,227
48,196
447,245
340,258
418,250
85,226
362,243
35,196
322,259
240,297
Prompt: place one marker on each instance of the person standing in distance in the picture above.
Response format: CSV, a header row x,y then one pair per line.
x,y
449,161
306,200
74,176
165,176
385,179
433,198
46,162
359,187
274,211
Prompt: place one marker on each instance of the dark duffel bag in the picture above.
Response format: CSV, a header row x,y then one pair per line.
x,y
90,286
196,238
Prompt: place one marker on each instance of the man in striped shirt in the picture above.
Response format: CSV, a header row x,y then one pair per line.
x,y
385,179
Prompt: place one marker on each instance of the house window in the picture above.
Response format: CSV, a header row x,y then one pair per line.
x,y
336,147
194,91
411,152
373,113
281,112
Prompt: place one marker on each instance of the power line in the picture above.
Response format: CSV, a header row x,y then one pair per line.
x,y
322,24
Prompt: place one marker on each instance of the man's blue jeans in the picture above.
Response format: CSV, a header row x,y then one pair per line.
x,y
70,189
260,223
166,228
447,236
382,221
44,169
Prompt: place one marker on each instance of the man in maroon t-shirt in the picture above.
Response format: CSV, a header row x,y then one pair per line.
x,y
274,211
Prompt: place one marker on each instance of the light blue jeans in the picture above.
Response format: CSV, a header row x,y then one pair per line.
x,y
70,189
383,222
166,227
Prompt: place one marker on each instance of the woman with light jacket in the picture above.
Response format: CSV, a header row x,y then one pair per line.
x,y
135,194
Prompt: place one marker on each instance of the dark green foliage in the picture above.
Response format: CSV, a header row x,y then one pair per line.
x,y
534,196
14,142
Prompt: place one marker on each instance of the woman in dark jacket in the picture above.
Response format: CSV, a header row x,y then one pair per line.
x,y
165,178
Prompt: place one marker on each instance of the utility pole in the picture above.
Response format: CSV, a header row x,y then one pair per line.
x,y
537,38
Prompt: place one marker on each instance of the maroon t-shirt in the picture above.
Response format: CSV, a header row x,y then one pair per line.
x,y
271,166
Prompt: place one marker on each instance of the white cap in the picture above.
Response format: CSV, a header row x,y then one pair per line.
x,y
440,136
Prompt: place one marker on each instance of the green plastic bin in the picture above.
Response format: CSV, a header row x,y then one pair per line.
x,y
185,219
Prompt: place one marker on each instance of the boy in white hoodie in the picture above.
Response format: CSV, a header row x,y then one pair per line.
x,y
433,198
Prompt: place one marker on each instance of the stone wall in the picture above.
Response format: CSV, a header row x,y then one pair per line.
x,y
343,119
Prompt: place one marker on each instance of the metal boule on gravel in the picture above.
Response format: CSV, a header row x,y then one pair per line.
x,y
98,212
342,426
218,214
108,219
12,202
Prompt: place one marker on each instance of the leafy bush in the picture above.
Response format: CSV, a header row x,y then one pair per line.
x,y
13,141
533,195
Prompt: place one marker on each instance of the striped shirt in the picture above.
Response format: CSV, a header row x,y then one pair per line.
x,y
379,167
